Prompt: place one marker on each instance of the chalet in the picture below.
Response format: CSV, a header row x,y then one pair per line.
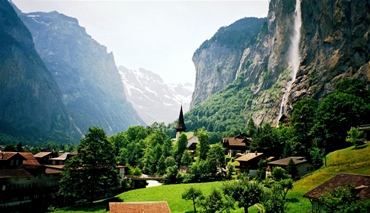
x,y
60,160
44,157
249,163
236,144
142,207
303,166
10,160
192,143
361,182
23,179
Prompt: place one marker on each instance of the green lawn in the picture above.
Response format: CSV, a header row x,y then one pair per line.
x,y
348,160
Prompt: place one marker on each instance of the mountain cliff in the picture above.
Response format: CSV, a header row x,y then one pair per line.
x,y
217,60
301,51
152,98
86,74
31,106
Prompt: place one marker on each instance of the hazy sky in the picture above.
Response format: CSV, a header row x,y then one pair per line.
x,y
160,36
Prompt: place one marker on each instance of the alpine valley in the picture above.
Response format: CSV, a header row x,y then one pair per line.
x,y
56,81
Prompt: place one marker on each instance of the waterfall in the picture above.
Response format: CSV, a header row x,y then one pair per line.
x,y
294,56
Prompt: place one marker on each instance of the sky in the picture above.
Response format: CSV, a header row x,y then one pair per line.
x,y
160,36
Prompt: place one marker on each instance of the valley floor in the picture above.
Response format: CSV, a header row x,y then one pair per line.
x,y
348,160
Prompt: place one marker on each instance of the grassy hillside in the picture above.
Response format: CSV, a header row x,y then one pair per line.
x,y
348,160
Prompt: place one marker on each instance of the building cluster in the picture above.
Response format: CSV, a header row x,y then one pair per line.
x,y
25,177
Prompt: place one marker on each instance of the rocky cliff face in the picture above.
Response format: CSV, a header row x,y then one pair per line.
x,y
30,103
152,98
86,74
217,60
334,44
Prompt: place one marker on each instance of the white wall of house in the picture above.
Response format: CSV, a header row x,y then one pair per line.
x,y
304,168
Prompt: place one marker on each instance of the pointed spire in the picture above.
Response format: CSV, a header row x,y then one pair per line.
x,y
180,126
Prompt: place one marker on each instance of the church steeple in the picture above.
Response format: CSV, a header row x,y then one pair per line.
x,y
180,126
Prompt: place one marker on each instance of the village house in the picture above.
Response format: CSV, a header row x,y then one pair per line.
x,y
60,160
303,166
237,144
44,157
192,143
23,179
249,163
366,131
361,183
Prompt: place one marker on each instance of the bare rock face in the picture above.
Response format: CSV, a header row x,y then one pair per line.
x,y
334,44
31,106
217,60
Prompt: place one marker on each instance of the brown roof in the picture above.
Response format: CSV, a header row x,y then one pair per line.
x,y
42,154
7,155
12,173
285,161
51,171
362,184
234,141
248,157
139,207
29,158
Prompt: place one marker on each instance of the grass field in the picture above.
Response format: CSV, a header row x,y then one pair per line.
x,y
348,160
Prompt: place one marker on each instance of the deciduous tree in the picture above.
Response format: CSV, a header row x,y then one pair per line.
x,y
203,145
355,137
246,193
93,171
216,202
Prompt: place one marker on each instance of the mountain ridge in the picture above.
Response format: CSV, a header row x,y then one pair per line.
x,y
31,103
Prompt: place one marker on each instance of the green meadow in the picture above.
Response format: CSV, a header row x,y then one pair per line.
x,y
348,160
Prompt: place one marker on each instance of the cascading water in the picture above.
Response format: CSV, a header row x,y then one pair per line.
x,y
294,56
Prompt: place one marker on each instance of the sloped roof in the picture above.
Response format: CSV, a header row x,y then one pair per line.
x,y
234,141
62,157
248,157
42,154
285,161
192,140
29,159
12,173
139,207
362,185
8,155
